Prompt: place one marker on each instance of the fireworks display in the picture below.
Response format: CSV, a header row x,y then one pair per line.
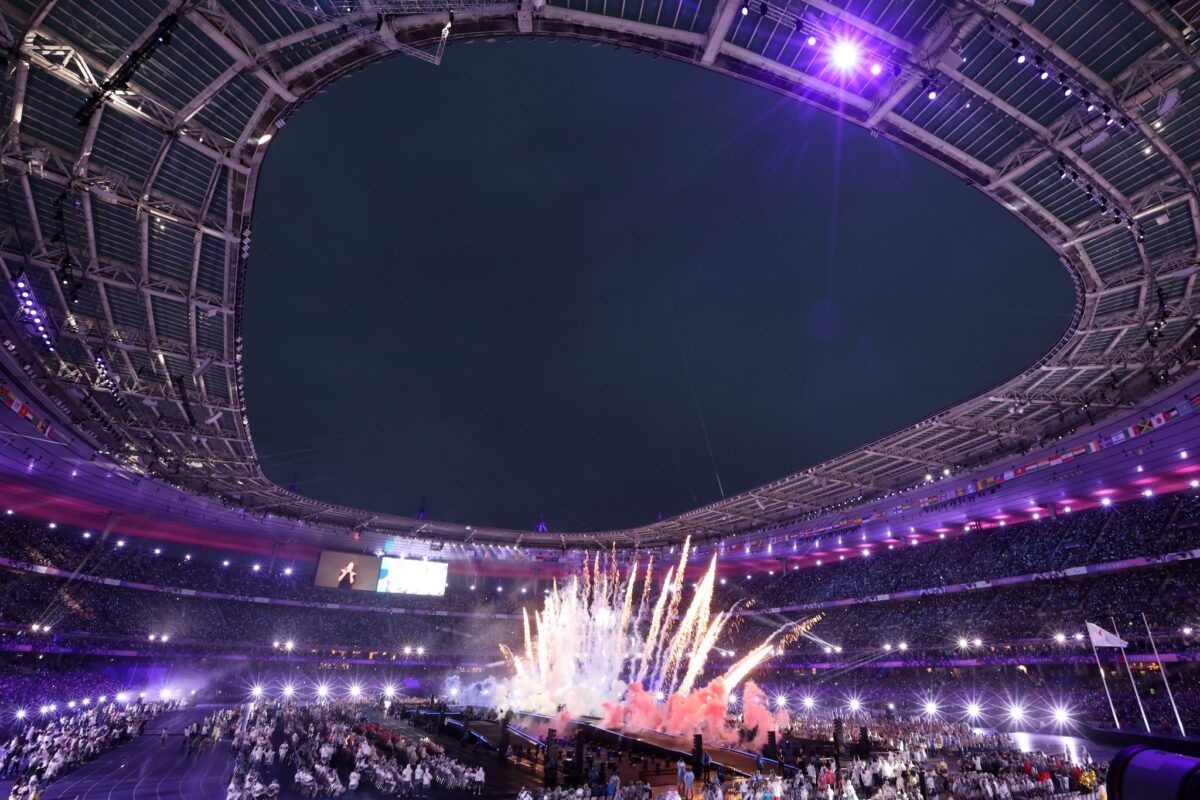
x,y
593,651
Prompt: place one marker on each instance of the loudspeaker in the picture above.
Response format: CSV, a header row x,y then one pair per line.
x,y
697,751
577,767
864,742
771,751
502,745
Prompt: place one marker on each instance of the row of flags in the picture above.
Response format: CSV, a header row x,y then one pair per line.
x,y
1100,637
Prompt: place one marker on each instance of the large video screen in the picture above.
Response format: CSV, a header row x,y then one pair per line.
x,y
347,571
407,576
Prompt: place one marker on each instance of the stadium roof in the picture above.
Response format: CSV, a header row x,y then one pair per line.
x,y
135,131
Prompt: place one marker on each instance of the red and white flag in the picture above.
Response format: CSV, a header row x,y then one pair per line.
x,y
1103,638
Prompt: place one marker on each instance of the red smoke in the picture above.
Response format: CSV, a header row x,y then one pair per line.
x,y
704,711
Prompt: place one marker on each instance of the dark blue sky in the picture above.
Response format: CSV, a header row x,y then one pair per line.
x,y
552,278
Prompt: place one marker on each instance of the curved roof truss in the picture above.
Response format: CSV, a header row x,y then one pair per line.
x,y
135,131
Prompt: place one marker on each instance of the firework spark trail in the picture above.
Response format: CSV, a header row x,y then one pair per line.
x,y
656,618
688,629
641,614
704,646
528,638
675,588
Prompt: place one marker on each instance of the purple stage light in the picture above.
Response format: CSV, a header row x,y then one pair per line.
x,y
845,55
876,69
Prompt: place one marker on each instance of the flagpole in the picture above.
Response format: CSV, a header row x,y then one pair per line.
x,y
1132,683
1163,672
1104,681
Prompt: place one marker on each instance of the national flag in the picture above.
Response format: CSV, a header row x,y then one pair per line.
x,y
1103,638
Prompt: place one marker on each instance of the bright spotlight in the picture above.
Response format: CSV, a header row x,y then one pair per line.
x,y
931,708
288,645
903,645
20,713
855,704
256,690
1106,501
810,701
122,697
659,695
408,650
389,691
355,690
963,643
1060,637
876,69
1062,716
977,642
288,690
845,55
1016,712
322,691
44,710
974,711
781,701
887,648
420,651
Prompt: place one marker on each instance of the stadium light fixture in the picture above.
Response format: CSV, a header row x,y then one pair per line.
x,y
1106,501
812,41
810,701
225,563
288,645
974,711
1147,492
256,567
887,647
389,690
355,690
322,690
20,713
977,642
855,704
903,645
963,644
876,69
158,551
120,542
256,690
1079,637
288,690
844,55
1060,637
1062,715
1195,484
1187,630
287,571
781,701
420,651
1016,712
408,650
44,710
931,708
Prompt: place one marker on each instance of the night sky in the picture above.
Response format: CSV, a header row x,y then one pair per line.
x,y
553,278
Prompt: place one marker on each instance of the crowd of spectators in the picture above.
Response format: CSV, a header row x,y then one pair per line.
x,y
1145,527
40,752
330,748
